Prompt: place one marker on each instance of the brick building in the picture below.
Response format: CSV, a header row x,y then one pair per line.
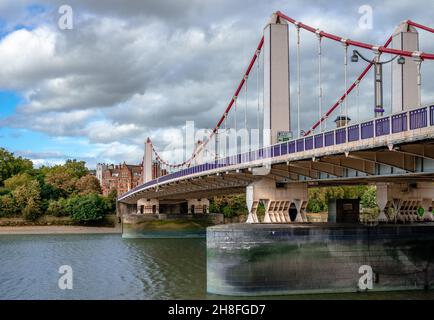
x,y
124,177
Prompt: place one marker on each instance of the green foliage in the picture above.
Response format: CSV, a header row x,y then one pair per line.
x,y
228,212
8,207
28,200
21,179
57,208
319,197
32,211
87,185
369,198
61,180
60,190
230,206
10,165
88,208
213,207
76,168
111,201
4,191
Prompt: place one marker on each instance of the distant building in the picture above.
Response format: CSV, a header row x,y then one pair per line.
x,y
123,177
100,168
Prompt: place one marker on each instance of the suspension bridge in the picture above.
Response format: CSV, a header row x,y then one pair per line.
x,y
393,150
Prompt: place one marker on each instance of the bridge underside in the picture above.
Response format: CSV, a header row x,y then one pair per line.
x,y
405,163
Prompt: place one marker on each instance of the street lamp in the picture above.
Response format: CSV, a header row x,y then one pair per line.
x,y
378,79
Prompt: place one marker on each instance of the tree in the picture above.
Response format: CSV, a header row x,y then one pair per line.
x,y
111,199
10,165
61,180
87,209
21,179
228,212
8,207
28,200
76,168
57,208
369,198
87,185
32,211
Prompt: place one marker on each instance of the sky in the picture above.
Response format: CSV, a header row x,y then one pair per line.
x,y
133,69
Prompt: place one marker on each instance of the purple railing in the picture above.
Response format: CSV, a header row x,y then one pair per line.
x,y
276,150
308,143
414,119
319,141
382,126
291,146
367,129
418,118
300,145
284,149
329,138
341,135
431,115
353,133
399,122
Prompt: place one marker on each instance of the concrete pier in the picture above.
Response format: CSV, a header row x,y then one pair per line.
x,y
280,259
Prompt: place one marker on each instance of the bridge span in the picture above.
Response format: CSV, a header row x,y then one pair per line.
x,y
394,151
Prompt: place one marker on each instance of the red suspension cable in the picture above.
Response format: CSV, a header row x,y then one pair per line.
x,y
228,108
420,26
382,49
360,77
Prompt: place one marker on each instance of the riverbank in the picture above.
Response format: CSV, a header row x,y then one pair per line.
x,y
8,230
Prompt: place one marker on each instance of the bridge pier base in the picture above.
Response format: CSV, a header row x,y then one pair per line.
x,y
148,206
198,206
277,201
405,202
123,209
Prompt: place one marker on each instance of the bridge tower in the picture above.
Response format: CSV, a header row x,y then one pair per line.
x,y
147,162
405,91
276,79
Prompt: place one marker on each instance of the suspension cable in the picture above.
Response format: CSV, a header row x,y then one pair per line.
x,y
257,87
226,135
245,108
357,100
319,79
337,103
344,42
383,49
298,80
235,113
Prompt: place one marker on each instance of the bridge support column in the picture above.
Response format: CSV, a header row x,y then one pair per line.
x,y
277,201
148,206
198,206
276,80
405,89
410,201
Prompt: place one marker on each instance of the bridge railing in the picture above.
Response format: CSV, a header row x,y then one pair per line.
x,y
390,124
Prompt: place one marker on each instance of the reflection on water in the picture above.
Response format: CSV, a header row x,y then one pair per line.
x,y
109,267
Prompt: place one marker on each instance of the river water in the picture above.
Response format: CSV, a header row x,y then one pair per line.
x,y
109,267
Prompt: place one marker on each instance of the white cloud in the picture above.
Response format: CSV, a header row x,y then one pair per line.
x,y
134,69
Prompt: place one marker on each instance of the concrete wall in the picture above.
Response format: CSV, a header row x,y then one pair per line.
x,y
252,260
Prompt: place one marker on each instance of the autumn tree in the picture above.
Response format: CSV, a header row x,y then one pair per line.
x,y
8,206
28,200
18,180
61,180
87,185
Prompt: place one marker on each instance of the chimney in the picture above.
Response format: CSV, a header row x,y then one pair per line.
x,y
342,121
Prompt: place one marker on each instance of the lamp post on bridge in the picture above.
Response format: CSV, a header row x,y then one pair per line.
x,y
378,77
